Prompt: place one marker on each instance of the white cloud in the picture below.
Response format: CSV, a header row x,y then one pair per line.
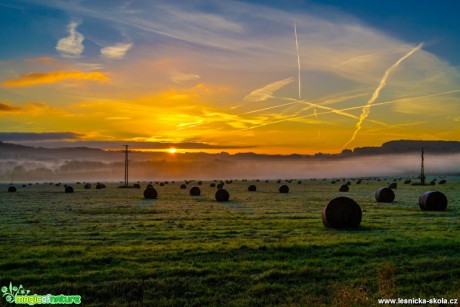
x,y
240,43
117,51
267,91
72,45
180,77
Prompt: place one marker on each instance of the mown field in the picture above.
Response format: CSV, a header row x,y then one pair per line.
x,y
261,248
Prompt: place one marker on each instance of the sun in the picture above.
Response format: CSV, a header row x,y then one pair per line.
x,y
172,150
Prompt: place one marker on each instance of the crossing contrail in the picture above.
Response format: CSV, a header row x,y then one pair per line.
x,y
366,109
309,104
323,107
298,57
349,109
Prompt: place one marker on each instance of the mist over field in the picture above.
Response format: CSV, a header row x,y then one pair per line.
x,y
221,166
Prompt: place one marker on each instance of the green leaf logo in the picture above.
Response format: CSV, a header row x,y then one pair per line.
x,y
11,292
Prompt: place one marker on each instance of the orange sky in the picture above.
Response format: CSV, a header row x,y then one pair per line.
x,y
229,83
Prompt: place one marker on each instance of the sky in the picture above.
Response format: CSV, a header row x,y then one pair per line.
x,y
274,77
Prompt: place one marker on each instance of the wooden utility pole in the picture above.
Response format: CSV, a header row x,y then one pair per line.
x,y
422,171
126,165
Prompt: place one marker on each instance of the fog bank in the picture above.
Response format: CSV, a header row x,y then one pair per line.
x,y
178,167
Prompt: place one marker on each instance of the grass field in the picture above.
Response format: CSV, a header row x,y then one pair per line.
x,y
262,248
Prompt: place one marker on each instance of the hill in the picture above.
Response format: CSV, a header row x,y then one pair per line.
x,y
14,151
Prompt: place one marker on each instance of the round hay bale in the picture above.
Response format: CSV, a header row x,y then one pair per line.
x,y
200,182
195,191
442,181
384,195
433,201
284,189
12,188
299,182
222,195
433,182
149,186
252,188
183,186
68,189
100,186
358,182
342,212
212,185
344,188
408,181
393,185
220,186
88,186
136,186
150,193
162,184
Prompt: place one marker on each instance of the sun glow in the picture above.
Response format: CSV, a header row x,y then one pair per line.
x,y
172,150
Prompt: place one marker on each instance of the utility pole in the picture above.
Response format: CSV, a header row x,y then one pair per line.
x,y
126,165
422,172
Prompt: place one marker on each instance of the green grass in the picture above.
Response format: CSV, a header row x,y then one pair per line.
x,y
262,248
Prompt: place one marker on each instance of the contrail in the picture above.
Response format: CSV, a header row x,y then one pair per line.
x,y
272,107
398,126
309,104
319,106
330,101
351,108
298,56
366,109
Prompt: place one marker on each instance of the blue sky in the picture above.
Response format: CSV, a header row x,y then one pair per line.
x,y
229,73
24,23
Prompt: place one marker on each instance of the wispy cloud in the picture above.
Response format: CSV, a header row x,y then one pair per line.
x,y
5,107
117,51
37,78
43,60
45,136
424,107
267,91
72,45
180,77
